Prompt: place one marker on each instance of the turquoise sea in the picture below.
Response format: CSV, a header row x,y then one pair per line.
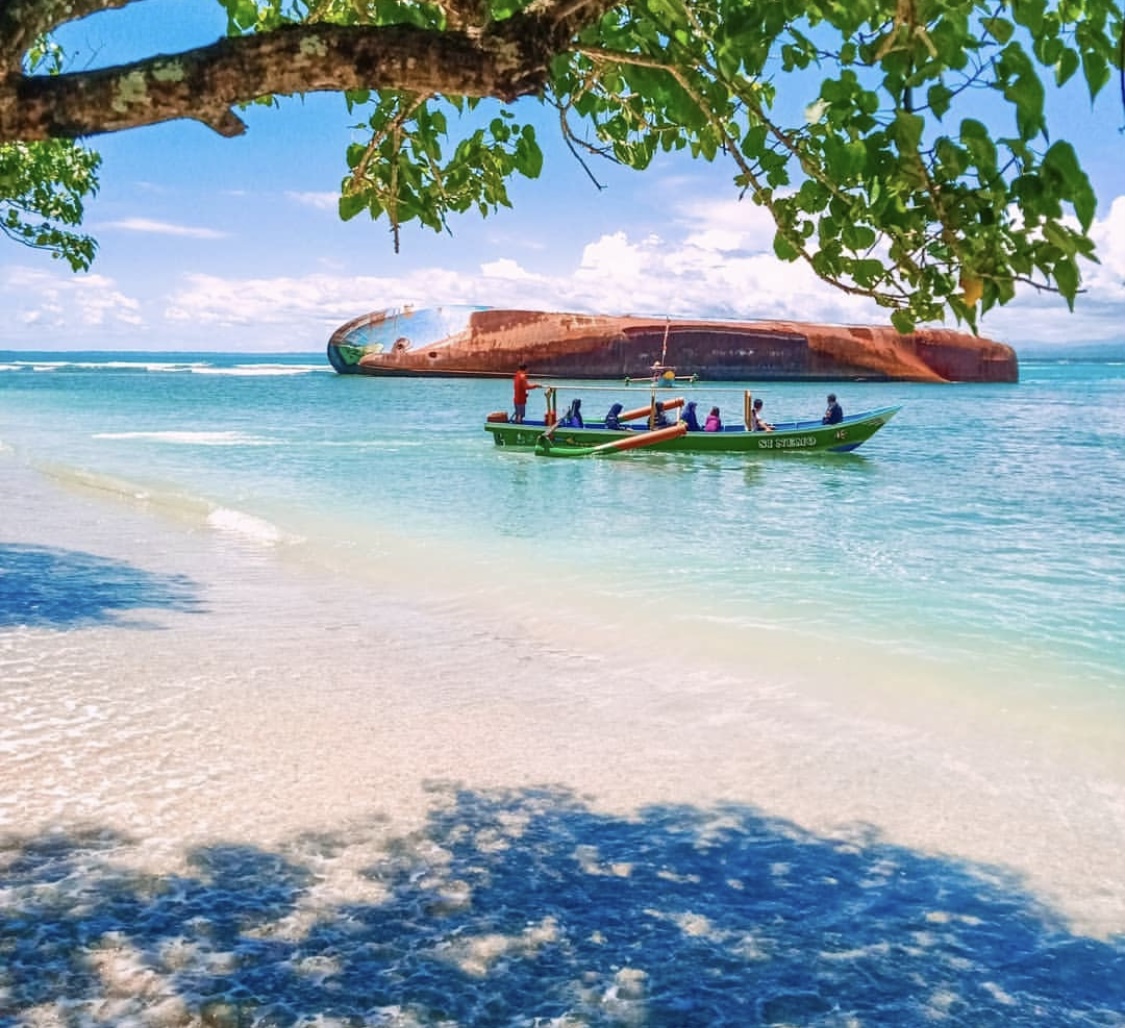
x,y
901,669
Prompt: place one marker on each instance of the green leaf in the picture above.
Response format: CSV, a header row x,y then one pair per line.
x,y
351,205
999,28
903,321
908,131
1097,71
1062,161
785,250
940,99
1067,65
1067,278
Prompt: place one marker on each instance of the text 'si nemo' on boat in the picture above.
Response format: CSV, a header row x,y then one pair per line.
x,y
484,341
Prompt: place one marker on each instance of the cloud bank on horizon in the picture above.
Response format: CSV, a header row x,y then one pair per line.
x,y
711,259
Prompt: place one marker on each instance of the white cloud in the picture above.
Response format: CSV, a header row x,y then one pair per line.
x,y
614,274
506,268
1109,237
710,260
61,304
164,228
320,201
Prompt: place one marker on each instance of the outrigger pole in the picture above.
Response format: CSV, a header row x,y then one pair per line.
x,y
551,416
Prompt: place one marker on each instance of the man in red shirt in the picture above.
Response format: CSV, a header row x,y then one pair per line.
x,y
520,389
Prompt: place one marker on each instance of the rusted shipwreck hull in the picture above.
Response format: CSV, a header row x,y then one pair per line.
x,y
486,341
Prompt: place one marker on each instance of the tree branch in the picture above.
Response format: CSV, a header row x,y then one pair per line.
x,y
509,60
24,21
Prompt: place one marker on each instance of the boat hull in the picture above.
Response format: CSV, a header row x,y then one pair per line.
x,y
794,437
459,341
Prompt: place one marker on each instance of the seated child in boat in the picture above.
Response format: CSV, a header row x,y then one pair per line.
x,y
756,422
713,423
690,419
659,418
573,416
613,418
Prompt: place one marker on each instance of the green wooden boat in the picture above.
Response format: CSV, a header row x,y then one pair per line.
x,y
548,438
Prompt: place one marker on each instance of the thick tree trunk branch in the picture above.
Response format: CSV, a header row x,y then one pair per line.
x,y
506,62
24,21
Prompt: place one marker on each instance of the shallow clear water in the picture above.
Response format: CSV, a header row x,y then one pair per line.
x,y
981,527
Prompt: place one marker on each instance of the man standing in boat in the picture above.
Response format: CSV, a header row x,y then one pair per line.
x,y
520,389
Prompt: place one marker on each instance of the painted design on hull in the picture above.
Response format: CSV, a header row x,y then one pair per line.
x,y
486,341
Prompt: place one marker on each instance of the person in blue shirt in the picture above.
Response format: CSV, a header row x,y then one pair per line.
x,y
690,419
834,414
573,416
613,418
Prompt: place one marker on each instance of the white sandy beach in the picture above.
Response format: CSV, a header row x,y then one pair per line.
x,y
297,703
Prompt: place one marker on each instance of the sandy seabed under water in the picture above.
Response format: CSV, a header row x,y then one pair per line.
x,y
239,787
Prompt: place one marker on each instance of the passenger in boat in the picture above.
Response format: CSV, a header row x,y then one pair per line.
x,y
835,413
756,422
613,418
713,423
520,389
659,418
573,416
690,419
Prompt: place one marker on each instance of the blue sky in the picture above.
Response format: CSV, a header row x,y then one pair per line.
x,y
216,244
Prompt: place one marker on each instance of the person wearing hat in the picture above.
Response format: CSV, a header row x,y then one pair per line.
x,y
835,413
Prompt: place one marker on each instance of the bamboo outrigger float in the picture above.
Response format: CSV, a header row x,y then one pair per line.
x,y
552,437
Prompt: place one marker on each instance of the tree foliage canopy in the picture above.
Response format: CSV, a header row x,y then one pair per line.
x,y
919,168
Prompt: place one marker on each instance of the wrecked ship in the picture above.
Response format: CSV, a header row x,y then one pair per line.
x,y
486,341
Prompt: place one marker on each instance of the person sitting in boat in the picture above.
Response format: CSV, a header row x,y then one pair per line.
x,y
659,418
835,413
756,422
714,423
689,417
573,416
613,418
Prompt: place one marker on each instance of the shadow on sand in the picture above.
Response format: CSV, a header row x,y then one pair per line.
x,y
45,586
530,908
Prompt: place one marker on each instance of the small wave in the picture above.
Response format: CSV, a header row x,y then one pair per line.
x,y
247,526
172,503
154,366
138,365
105,484
264,370
192,438
390,445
